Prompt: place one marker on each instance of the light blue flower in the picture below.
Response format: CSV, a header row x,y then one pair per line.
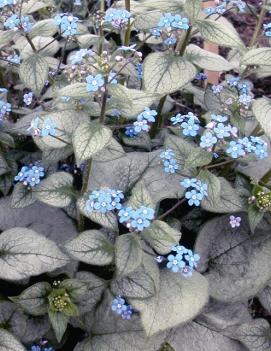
x,y
130,132
187,271
201,187
26,24
249,147
192,258
180,22
219,118
104,200
77,2
175,263
233,81
140,218
30,175
166,20
48,127
217,89
187,183
168,154
78,56
194,197
125,214
171,166
245,100
126,315
28,98
267,29
147,114
177,119
261,151
139,70
208,140
112,78
222,131
16,59
94,82
181,250
155,32
130,48
240,4
35,348
6,3
12,22
170,41
244,86
5,108
68,24
141,125
235,149
190,128
117,18
118,305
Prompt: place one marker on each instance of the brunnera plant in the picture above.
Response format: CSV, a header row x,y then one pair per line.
x,y
113,144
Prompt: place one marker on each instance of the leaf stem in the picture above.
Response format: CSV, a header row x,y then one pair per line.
x,y
86,175
160,120
219,164
172,208
266,177
104,101
30,42
258,26
181,47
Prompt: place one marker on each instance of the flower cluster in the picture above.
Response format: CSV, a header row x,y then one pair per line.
x,y
104,200
142,123
247,145
170,163
67,24
196,190
78,55
5,108
189,123
28,97
117,18
183,261
169,28
15,23
224,5
267,29
136,219
30,175
42,128
16,59
41,348
243,88
4,3
94,83
120,307
235,221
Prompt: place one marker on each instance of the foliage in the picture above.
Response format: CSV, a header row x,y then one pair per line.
x,y
115,150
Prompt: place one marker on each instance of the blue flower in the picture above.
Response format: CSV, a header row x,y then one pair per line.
x,y
166,20
235,149
261,151
233,81
104,200
201,187
48,127
127,314
168,154
112,78
140,218
6,3
5,108
30,175
130,48
186,271
118,305
190,128
155,32
28,98
179,249
208,140
244,86
125,214
159,259
187,183
16,59
94,82
170,166
35,348
77,2
245,100
139,70
175,262
141,125
67,24
222,131
130,132
219,118
79,55
201,76
26,24
170,41
249,147
194,197
267,29
217,89
240,4
12,22
34,126
192,258
147,114
180,22
117,18
177,119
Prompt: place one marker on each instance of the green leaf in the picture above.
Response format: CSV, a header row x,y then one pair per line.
x,y
112,151
76,90
141,283
24,253
222,197
107,220
165,73
147,20
254,217
219,33
90,138
234,258
198,157
9,343
46,46
128,254
59,323
32,6
206,59
75,288
34,72
164,5
262,109
56,190
4,168
140,197
161,236
265,297
259,56
193,9
44,28
21,196
92,247
178,300
33,300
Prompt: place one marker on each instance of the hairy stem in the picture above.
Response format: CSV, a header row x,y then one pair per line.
x,y
258,26
86,175
30,42
160,120
172,208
